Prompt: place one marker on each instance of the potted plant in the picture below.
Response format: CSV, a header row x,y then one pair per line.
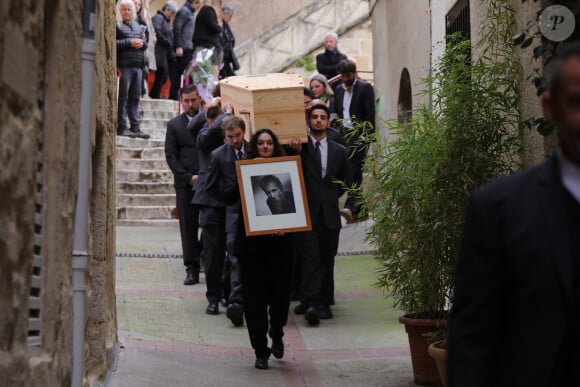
x,y
422,180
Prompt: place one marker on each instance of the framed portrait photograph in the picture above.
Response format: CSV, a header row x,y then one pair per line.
x,y
273,195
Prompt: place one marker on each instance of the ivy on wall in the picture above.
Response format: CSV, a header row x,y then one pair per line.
x,y
542,52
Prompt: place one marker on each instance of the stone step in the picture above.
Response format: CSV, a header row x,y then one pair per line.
x,y
156,153
157,114
147,222
128,142
146,212
158,105
157,134
152,123
124,200
145,175
142,164
131,188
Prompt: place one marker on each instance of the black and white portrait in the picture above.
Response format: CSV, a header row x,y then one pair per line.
x,y
273,194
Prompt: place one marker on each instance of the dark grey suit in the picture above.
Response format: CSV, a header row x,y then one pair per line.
x,y
222,184
316,249
514,320
212,211
182,158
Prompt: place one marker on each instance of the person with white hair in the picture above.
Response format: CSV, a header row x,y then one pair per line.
x,y
131,46
326,62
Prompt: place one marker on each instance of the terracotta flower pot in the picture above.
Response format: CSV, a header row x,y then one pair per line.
x,y
424,368
438,352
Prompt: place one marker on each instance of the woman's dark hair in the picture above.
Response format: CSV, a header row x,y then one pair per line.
x,y
252,151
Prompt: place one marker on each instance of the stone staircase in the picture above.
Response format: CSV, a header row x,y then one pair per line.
x,y
145,193
299,34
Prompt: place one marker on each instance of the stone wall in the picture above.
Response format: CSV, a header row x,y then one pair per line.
x,y
401,33
40,93
39,88
408,34
101,330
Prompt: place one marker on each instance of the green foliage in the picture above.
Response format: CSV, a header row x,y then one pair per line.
x,y
307,62
422,180
542,53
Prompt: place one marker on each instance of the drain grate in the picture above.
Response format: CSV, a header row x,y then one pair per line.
x,y
180,256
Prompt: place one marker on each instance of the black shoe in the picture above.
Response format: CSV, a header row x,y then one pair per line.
x,y
261,363
191,279
278,348
224,302
312,316
140,134
325,313
235,313
126,133
300,308
212,308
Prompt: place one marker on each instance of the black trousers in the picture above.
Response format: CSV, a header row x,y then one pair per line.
x,y
266,277
232,277
357,155
317,250
181,63
161,75
214,248
188,228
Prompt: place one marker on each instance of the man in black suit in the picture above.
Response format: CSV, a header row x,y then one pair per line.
x,y
212,212
326,62
325,165
354,102
182,158
516,310
221,180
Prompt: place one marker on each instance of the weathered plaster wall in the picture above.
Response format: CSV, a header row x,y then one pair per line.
x,y
39,91
20,116
401,33
101,330
40,86
532,142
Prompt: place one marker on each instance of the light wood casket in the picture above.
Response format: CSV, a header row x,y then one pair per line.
x,y
274,101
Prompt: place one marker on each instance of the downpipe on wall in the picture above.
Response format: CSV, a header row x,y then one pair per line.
x,y
80,255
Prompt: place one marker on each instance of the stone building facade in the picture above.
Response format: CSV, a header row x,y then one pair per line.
x,y
42,52
407,35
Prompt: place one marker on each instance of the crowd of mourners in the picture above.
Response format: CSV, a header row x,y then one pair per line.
x,y
253,277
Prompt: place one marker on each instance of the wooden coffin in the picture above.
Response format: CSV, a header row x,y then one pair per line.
x,y
274,101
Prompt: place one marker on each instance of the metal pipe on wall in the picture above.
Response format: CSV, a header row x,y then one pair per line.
x,y
80,255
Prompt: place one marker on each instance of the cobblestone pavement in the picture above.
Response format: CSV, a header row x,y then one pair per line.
x,y
167,339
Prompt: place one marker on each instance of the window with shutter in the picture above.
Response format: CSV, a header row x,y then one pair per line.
x,y
35,297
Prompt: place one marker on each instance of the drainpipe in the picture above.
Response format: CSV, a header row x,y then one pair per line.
x,y
80,255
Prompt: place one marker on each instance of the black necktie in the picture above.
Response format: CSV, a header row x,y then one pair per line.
x,y
240,155
318,158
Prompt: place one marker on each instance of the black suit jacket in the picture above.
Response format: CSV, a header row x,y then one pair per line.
x,y
514,283
221,183
209,138
322,193
362,104
181,151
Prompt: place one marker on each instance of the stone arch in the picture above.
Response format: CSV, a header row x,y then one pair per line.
x,y
405,101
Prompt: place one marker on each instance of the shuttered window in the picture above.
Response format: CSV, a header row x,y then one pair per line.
x,y
457,20
35,297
